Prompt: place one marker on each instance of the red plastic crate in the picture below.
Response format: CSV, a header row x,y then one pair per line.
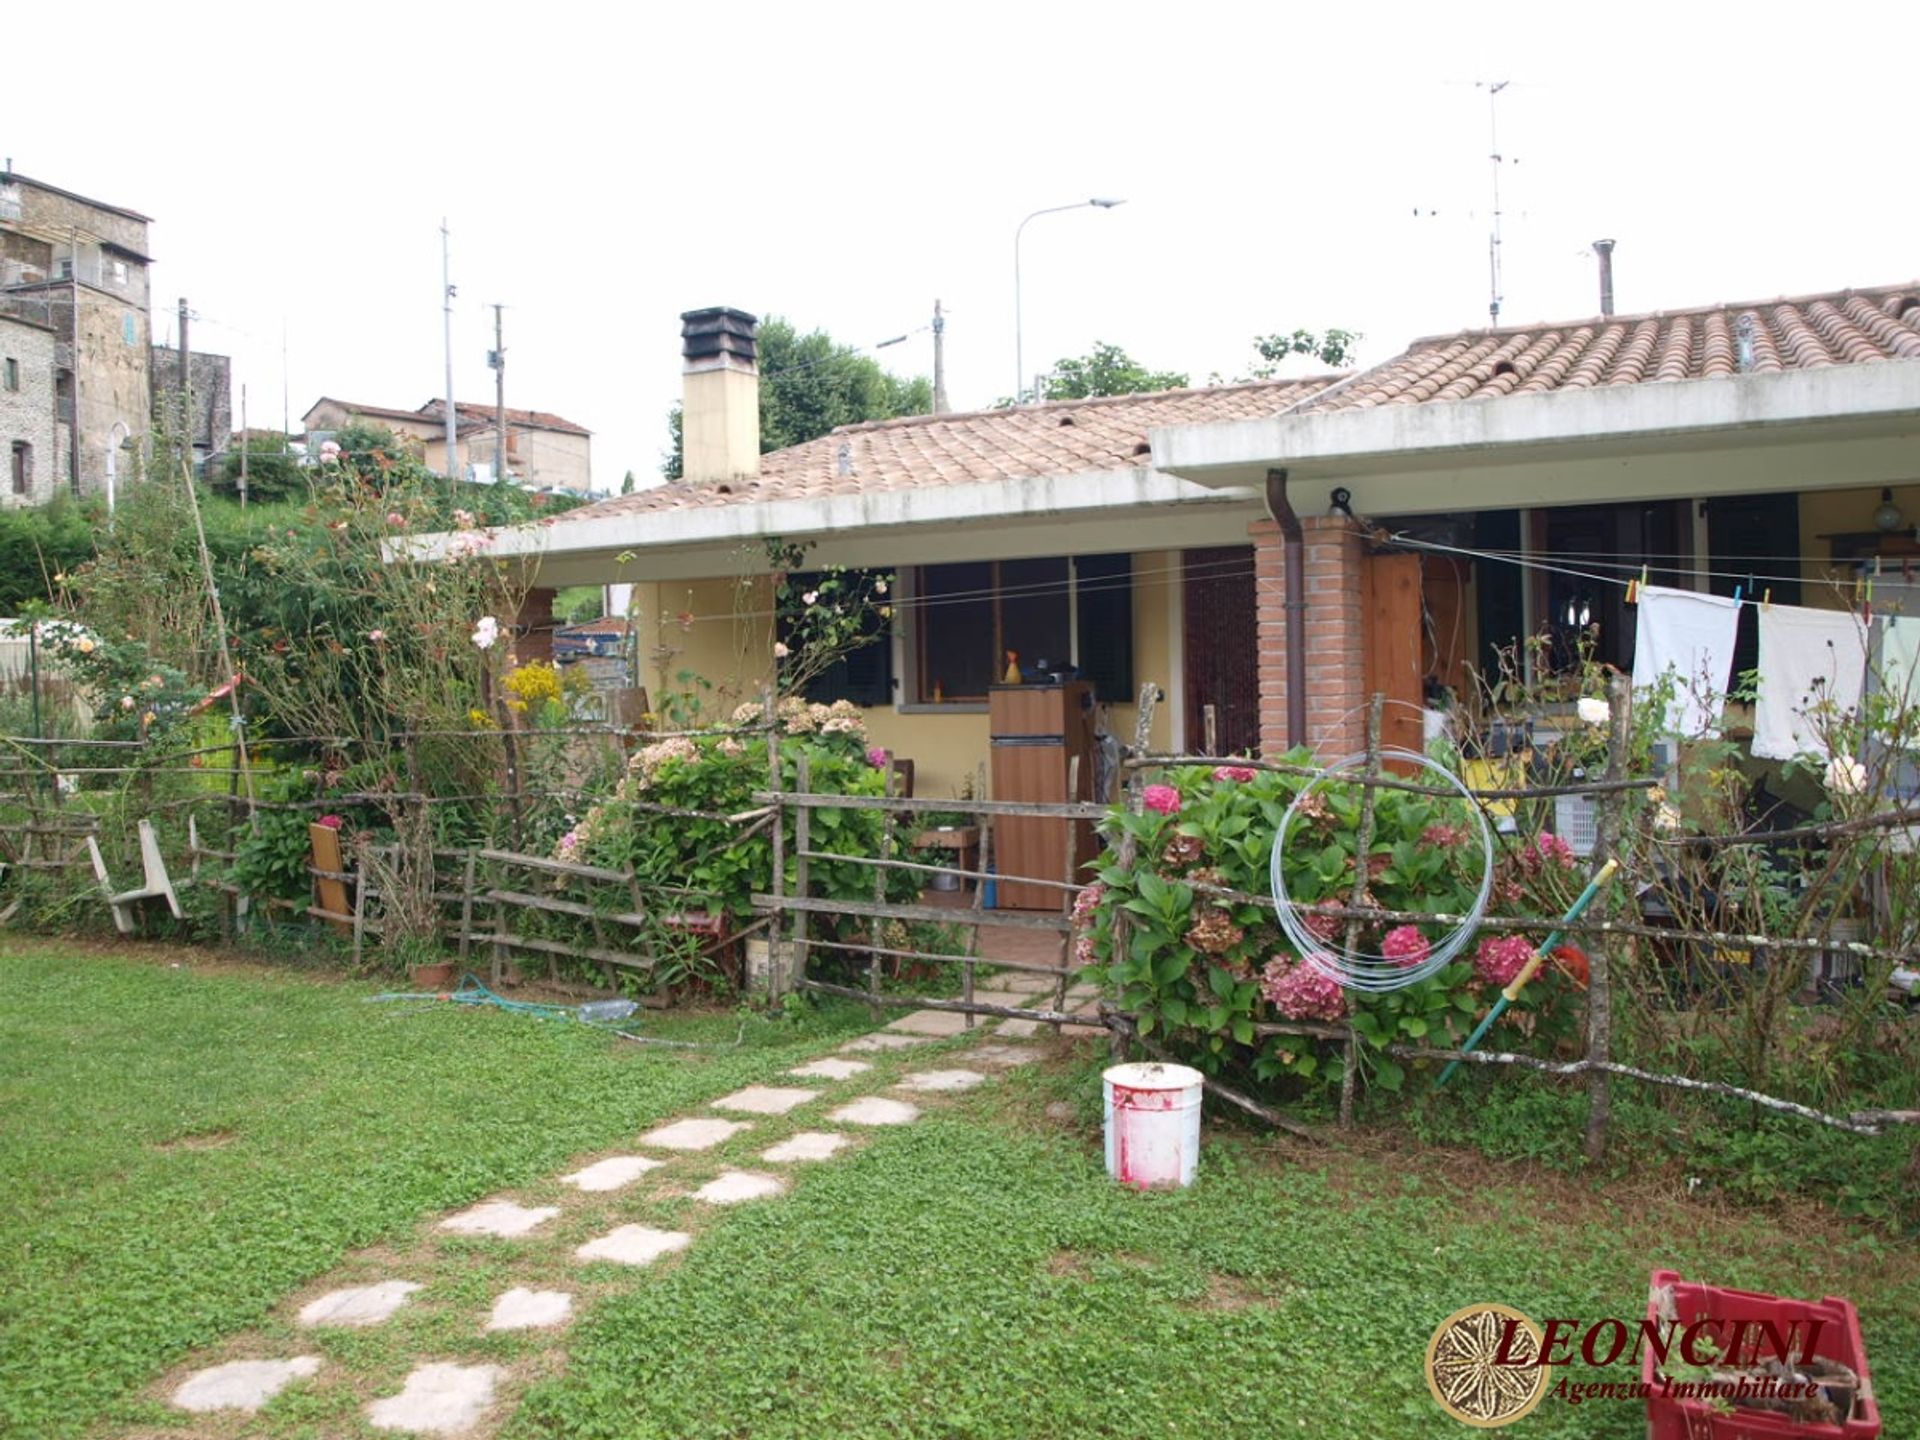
x,y
1839,1339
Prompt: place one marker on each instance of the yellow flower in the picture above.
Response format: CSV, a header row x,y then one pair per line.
x,y
479,719
534,684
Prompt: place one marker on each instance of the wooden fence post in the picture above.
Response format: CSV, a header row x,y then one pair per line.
x,y
802,843
1128,853
1609,842
876,930
776,921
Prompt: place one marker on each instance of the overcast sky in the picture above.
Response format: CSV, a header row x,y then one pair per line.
x,y
843,165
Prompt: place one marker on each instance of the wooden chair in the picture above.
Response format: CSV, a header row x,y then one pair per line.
x,y
155,885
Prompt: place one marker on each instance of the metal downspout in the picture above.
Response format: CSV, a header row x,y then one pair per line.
x,y
1293,551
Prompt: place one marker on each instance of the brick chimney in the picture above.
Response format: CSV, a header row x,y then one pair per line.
x,y
720,396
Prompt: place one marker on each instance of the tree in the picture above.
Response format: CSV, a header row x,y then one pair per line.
x,y
810,385
1106,370
1333,347
273,471
626,485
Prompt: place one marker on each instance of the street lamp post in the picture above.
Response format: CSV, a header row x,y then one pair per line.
x,y
1019,350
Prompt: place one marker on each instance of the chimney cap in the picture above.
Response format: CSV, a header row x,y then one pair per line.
x,y
717,333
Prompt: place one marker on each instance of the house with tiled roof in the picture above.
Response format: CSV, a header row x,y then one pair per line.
x,y
1272,554
543,451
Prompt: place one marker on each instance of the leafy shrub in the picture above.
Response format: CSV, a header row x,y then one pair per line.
x,y
1206,968
38,544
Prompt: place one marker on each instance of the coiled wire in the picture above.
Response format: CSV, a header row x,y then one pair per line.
x,y
1368,970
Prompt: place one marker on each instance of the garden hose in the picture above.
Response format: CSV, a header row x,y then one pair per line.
x,y
601,1014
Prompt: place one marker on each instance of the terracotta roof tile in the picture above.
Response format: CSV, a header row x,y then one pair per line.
x,y
1068,437
1848,327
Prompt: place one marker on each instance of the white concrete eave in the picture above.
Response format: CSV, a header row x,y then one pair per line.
x,y
1457,450
1141,508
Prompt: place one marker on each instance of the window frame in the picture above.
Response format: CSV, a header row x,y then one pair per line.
x,y
20,467
12,376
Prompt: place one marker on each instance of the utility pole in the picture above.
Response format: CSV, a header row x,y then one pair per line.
x,y
246,443
186,396
939,360
1494,87
498,359
452,425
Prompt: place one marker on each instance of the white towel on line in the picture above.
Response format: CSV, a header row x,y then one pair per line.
x,y
1691,635
1813,665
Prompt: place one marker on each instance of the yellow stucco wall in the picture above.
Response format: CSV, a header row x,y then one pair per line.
x,y
1830,512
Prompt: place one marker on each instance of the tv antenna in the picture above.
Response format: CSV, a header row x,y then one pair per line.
x,y
1493,89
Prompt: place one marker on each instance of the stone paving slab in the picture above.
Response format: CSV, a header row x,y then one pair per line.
x,y
765,1099
882,1040
1018,1029
875,1110
1024,982
243,1384
941,1080
524,1309
438,1399
736,1187
697,1134
807,1145
360,1305
612,1173
831,1068
941,1023
503,1218
634,1245
1002,1057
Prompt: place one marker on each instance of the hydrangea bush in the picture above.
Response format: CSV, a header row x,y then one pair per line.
x,y
1204,969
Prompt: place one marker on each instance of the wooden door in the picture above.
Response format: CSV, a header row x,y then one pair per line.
x,y
1221,640
1392,597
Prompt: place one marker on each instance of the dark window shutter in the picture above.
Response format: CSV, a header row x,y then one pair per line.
x,y
1104,584
864,675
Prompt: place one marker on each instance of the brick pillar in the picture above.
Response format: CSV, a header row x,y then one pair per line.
x,y
533,624
1335,631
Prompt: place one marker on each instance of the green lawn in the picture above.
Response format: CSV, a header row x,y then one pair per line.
x,y
192,1146
182,1147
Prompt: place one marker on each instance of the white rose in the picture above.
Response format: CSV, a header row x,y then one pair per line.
x,y
1593,711
486,632
1846,775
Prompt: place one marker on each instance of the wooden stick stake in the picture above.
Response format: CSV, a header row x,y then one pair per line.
x,y
1609,842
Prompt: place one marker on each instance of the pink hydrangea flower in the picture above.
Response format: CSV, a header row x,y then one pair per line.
x,y
1321,924
1547,850
1443,836
1087,901
877,757
1301,991
1406,947
1238,774
1163,798
1498,960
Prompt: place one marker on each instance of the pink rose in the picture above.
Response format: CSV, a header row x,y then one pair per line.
x,y
877,757
1163,798
332,822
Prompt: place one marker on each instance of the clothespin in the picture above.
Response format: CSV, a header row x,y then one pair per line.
x,y
1634,587
1766,600
1736,594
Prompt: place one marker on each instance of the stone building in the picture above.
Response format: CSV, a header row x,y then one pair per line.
x,y
210,422
32,441
543,450
80,267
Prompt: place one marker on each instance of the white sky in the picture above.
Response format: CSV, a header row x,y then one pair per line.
x,y
844,164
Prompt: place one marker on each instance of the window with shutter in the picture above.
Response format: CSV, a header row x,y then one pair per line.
x,y
864,674
1103,587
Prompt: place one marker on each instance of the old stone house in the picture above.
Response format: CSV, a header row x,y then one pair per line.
x,y
543,451
80,268
32,440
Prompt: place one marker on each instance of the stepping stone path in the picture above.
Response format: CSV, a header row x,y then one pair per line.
x,y
807,1145
445,1398
941,1080
693,1134
362,1305
243,1384
736,1187
882,1040
611,1174
1013,999
875,1110
634,1245
524,1309
499,1217
765,1099
441,1399
940,1023
1018,1029
831,1068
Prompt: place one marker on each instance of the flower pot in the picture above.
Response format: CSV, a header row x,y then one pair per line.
x,y
437,976
762,957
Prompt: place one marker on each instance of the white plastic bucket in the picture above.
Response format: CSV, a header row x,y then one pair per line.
x,y
1153,1123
